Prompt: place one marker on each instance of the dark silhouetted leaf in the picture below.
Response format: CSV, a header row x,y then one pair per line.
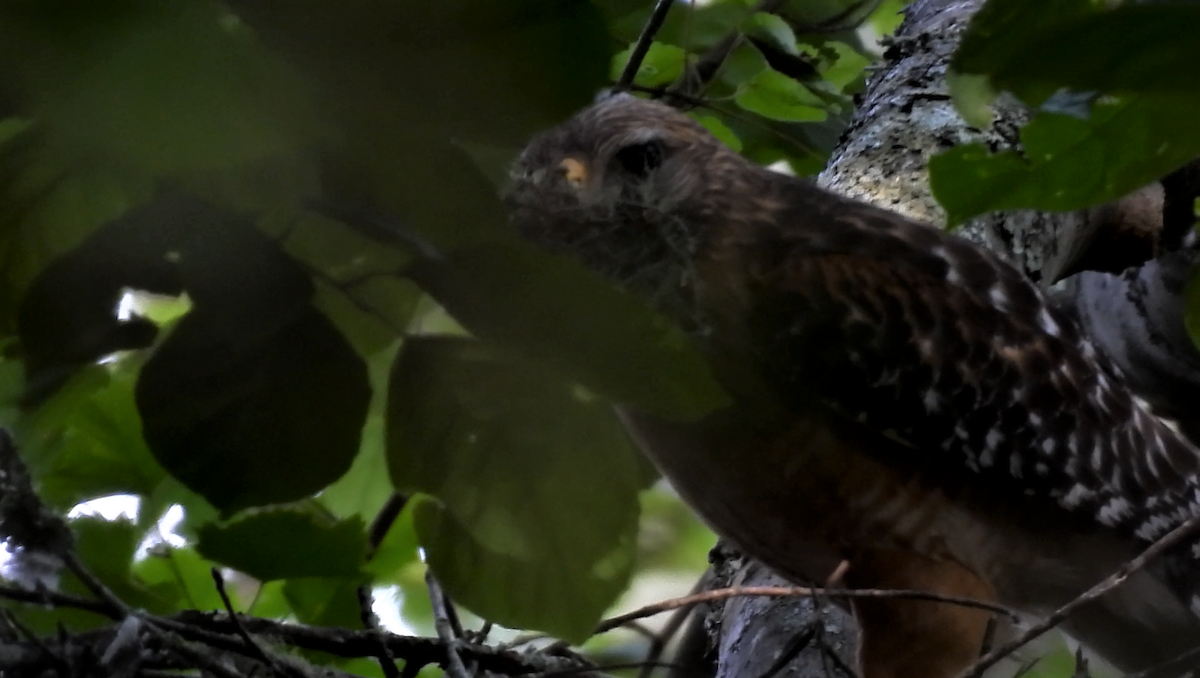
x,y
552,310
1034,48
534,481
174,243
516,67
112,91
246,421
286,543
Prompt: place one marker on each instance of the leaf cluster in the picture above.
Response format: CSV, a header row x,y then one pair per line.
x,y
257,277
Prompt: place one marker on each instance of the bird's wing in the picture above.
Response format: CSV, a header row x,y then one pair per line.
x,y
934,342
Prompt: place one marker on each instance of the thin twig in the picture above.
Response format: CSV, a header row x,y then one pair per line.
x,y
387,663
1170,668
989,637
668,631
697,76
482,634
838,663
455,667
200,659
47,597
601,669
117,607
378,225
383,521
674,98
32,638
794,591
1169,540
793,649
257,650
642,46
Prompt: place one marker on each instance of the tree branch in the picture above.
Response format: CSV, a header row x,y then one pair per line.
x,y
642,46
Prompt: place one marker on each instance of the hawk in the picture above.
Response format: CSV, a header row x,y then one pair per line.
x,y
903,399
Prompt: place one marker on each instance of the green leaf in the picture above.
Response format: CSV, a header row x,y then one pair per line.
x,y
270,601
846,65
99,451
743,64
973,96
772,28
552,310
1027,47
670,535
534,485
107,548
1069,163
115,90
719,130
185,570
887,16
248,420
325,602
773,95
397,551
365,487
532,61
662,65
286,543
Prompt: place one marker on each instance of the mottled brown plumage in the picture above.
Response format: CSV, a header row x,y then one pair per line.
x,y
901,396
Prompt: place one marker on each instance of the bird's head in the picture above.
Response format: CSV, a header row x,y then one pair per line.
x,y
627,186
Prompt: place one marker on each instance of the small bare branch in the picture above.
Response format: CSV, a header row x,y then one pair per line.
x,y
1165,543
794,591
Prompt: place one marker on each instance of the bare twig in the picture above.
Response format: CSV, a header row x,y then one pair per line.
x,y
387,663
794,647
989,637
675,98
482,634
117,609
383,521
659,642
200,659
838,663
1166,542
697,76
256,649
53,598
794,591
602,669
642,46
32,638
378,225
1170,668
455,667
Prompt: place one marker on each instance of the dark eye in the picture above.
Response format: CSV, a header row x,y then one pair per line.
x,y
642,158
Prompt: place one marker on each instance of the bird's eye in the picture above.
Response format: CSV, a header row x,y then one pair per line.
x,y
642,158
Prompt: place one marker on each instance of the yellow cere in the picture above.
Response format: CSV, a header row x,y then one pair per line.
x,y
573,170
